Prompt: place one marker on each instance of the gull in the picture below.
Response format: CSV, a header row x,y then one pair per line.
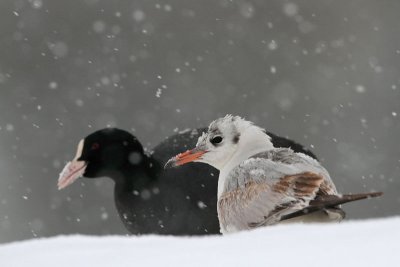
x,y
261,185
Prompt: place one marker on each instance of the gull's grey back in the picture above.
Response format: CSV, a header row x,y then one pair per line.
x,y
269,166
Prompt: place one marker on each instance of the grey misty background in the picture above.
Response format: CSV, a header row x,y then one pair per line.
x,y
325,73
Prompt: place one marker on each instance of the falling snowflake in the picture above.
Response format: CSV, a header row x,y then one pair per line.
x,y
290,9
99,26
159,92
201,205
9,127
104,216
138,15
37,4
59,49
53,85
273,45
167,8
360,89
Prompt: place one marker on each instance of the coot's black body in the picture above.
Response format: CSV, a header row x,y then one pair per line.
x,y
151,200
172,202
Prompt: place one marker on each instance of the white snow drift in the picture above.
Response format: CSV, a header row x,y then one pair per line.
x,y
354,243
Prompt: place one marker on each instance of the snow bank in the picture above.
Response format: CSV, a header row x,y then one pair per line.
x,y
354,243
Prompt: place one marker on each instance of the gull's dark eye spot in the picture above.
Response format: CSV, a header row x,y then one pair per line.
x,y
216,140
95,146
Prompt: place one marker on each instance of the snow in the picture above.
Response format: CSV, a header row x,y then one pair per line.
x,y
360,89
353,243
59,49
138,15
99,26
290,9
272,45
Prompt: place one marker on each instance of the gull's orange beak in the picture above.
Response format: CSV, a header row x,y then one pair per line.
x,y
185,157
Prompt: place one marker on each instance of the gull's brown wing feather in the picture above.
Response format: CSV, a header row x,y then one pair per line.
x,y
258,204
299,185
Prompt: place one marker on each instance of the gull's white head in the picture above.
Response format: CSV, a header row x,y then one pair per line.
x,y
228,139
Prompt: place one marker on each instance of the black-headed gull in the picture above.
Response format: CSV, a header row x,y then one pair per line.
x,y
260,184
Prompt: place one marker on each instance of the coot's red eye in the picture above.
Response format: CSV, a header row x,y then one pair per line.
x,y
95,146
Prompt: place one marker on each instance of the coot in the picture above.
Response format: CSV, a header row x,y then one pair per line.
x,y
149,199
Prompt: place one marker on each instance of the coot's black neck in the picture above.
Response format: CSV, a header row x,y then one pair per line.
x,y
136,176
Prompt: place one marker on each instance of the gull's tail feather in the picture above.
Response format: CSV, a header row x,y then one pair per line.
x,y
329,201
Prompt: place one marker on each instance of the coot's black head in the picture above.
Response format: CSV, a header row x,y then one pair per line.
x,y
107,152
110,149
